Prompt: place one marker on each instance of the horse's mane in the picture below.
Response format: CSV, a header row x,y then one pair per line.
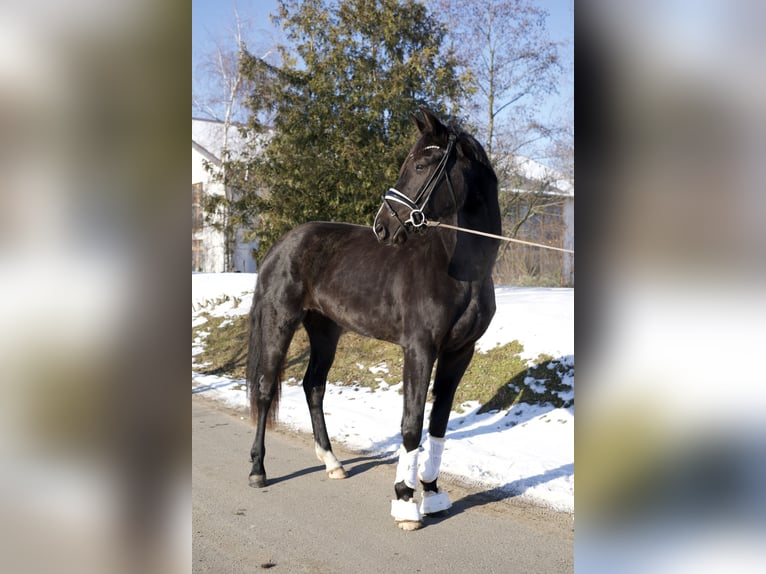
x,y
471,147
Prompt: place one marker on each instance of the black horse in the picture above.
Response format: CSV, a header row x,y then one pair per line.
x,y
426,289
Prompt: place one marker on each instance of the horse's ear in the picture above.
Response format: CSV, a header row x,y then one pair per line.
x,y
429,123
418,122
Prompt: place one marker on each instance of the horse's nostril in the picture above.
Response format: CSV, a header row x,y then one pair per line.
x,y
399,236
380,231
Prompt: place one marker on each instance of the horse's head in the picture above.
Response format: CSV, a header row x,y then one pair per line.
x,y
425,189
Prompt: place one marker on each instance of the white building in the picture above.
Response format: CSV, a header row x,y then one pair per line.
x,y
209,244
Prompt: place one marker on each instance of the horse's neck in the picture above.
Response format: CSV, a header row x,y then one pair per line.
x,y
473,256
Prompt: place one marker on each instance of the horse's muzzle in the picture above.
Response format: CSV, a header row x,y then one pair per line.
x,y
383,235
380,232
388,229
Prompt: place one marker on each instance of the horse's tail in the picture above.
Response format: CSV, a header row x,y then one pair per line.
x,y
254,373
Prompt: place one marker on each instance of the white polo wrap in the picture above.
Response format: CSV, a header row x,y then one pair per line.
x,y
405,511
407,468
434,502
431,461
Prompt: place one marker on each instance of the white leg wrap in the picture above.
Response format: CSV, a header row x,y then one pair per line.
x,y
431,460
327,457
433,502
405,511
407,468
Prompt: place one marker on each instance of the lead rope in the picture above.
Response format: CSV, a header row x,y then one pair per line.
x,y
429,223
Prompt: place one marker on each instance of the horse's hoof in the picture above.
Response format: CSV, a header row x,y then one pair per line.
x,y
337,473
406,513
409,525
257,480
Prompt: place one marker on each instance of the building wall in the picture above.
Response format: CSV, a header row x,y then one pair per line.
x,y
243,259
199,174
551,223
213,260
209,244
568,242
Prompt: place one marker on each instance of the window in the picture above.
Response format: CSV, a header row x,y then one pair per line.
x,y
196,255
197,213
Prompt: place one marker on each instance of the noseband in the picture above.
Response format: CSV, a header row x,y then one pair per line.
x,y
417,219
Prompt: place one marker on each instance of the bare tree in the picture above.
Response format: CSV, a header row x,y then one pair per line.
x,y
220,93
220,87
513,65
505,47
217,95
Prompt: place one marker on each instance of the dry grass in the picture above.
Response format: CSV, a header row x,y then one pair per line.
x,y
495,379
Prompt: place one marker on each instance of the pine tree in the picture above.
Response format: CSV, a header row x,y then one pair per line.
x,y
340,105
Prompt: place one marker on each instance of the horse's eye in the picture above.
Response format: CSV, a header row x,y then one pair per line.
x,y
419,167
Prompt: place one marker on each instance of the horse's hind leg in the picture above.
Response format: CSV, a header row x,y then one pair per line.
x,y
323,336
274,329
449,371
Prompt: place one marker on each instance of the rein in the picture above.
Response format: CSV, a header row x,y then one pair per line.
x,y
493,236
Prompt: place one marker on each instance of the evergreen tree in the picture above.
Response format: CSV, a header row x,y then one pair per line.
x,y
339,107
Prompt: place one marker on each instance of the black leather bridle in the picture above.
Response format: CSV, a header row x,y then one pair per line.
x,y
417,218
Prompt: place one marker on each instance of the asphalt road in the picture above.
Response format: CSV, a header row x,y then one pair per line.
x,y
305,522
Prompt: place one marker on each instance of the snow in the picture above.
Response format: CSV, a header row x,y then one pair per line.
x,y
536,171
526,451
541,319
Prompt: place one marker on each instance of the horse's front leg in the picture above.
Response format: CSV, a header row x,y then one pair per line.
x,y
418,364
449,371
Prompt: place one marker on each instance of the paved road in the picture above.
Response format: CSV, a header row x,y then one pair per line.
x,y
305,522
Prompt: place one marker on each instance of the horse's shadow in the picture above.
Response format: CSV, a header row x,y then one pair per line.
x,y
273,480
359,465
362,464
520,415
354,466
501,493
214,386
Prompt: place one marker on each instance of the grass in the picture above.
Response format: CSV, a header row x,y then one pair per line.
x,y
543,382
225,346
498,379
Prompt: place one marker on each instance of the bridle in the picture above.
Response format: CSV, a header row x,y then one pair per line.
x,y
417,219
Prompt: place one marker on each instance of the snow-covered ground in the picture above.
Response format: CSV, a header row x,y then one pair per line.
x,y
526,451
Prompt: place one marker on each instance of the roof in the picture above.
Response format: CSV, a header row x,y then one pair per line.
x,y
207,138
535,171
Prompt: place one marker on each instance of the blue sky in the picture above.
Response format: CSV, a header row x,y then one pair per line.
x,y
211,20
